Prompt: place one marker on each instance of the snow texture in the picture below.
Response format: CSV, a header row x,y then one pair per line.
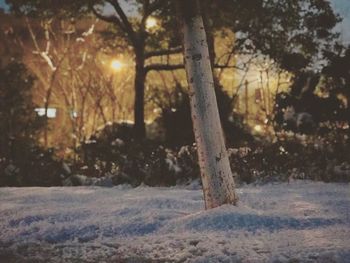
x,y
295,222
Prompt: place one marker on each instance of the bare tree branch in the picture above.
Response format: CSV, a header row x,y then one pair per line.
x,y
43,54
145,14
108,19
157,53
127,27
164,67
217,66
170,67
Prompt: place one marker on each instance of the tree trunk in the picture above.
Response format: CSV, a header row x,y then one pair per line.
x,y
246,84
216,174
139,105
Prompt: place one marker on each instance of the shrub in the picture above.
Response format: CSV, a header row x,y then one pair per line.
x,y
22,161
176,119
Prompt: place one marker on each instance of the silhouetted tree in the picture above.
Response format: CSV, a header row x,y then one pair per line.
x,y
290,32
133,28
18,120
316,98
22,161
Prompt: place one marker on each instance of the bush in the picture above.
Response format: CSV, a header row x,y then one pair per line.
x,y
135,162
176,119
32,166
151,163
293,158
22,161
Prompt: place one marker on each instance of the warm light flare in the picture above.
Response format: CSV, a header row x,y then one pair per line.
x,y
151,22
258,128
116,65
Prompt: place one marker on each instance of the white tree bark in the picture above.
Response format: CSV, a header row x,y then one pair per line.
x,y
216,174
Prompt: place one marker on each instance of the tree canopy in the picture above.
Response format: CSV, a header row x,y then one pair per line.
x,y
293,34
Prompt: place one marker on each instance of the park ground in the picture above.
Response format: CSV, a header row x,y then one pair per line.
x,y
299,221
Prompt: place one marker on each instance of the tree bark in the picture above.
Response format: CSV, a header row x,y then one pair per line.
x,y
139,104
216,174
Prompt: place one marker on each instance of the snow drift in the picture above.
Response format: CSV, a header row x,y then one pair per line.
x,y
296,222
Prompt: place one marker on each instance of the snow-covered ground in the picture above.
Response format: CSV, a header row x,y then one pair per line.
x,y
296,222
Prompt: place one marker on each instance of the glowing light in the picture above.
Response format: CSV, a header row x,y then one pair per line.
x,y
116,65
151,22
51,112
258,128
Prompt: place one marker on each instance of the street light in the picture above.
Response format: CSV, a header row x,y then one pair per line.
x,y
151,22
116,65
258,128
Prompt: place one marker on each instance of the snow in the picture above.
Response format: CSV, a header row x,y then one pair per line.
x,y
295,222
